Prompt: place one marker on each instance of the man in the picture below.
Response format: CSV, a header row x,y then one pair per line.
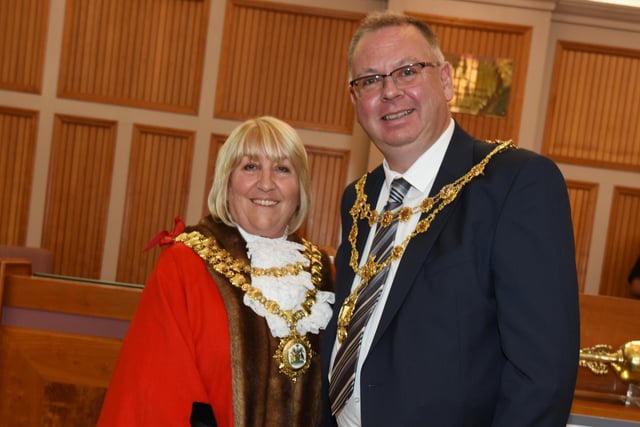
x,y
476,322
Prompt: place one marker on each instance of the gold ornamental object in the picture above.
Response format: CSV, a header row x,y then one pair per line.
x,y
625,362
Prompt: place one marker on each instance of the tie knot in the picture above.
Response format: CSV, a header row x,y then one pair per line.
x,y
399,188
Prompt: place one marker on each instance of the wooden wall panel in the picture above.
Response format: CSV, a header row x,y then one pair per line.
x,y
18,129
78,192
492,40
583,197
214,146
623,242
23,37
328,171
144,53
287,61
592,116
157,191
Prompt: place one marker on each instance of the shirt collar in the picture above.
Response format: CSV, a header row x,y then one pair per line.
x,y
422,173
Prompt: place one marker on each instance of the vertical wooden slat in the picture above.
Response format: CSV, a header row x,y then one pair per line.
x,y
328,169
214,146
147,53
78,190
22,56
592,115
277,59
157,192
583,197
623,241
17,155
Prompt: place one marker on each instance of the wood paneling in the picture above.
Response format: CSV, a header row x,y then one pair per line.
x,y
623,241
492,40
592,116
78,192
287,61
157,191
583,197
145,53
23,37
18,130
214,146
328,169
328,172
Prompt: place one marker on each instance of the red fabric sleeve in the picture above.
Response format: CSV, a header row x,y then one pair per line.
x,y
176,350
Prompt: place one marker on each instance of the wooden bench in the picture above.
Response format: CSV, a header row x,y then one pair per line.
x,y
59,340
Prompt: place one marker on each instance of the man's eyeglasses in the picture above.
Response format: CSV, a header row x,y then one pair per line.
x,y
403,77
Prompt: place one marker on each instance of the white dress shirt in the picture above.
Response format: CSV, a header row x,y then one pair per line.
x,y
421,176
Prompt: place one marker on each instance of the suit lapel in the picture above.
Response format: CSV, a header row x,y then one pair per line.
x,y
457,161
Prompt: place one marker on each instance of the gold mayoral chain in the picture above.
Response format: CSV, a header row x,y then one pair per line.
x,y
294,353
362,210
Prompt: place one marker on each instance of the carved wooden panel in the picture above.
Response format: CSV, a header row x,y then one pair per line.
x,y
78,192
144,53
157,191
18,133
328,172
23,37
490,40
623,241
288,61
583,197
592,116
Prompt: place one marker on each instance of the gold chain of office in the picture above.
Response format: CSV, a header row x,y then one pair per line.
x,y
431,206
294,353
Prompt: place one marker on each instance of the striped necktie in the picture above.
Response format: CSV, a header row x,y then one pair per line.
x,y
344,366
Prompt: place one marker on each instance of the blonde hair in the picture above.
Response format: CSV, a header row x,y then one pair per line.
x,y
276,140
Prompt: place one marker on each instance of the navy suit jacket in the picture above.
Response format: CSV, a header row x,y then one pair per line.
x,y
481,326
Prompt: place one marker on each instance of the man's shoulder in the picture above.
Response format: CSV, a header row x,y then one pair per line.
x,y
512,157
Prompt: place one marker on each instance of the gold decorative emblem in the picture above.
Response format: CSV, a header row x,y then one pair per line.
x,y
344,317
294,355
625,361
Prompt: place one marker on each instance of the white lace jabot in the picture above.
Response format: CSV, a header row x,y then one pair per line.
x,y
288,291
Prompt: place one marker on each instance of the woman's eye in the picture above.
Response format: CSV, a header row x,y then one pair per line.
x,y
283,169
250,167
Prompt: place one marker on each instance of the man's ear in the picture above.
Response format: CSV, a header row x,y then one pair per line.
x,y
352,95
446,78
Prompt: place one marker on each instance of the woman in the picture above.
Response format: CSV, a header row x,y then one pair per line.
x,y
227,330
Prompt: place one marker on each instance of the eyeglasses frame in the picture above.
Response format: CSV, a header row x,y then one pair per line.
x,y
423,64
